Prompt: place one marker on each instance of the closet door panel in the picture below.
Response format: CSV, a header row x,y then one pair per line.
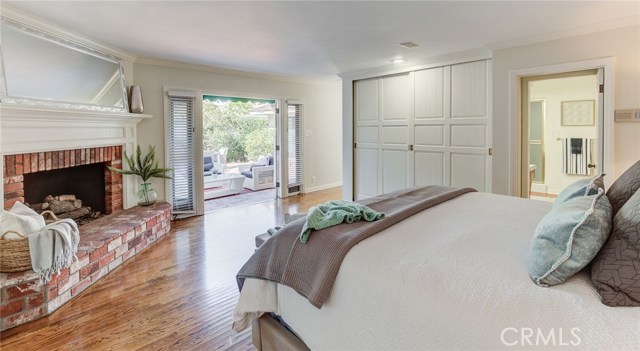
x,y
469,89
429,135
367,135
468,135
394,172
429,93
367,100
468,170
367,172
395,98
395,135
429,168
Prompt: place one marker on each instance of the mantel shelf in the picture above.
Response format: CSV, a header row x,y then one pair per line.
x,y
29,129
19,112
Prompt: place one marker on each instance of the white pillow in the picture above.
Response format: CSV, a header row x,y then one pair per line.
x,y
262,160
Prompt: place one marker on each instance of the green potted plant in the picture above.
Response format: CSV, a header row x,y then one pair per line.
x,y
146,167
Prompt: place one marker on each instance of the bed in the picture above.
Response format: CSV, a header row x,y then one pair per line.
x,y
454,276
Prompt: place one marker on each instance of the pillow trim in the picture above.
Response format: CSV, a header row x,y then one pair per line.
x,y
567,252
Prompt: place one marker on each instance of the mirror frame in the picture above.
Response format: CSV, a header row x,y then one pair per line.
x,y
35,102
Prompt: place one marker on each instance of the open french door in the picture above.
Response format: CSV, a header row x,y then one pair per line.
x,y
290,149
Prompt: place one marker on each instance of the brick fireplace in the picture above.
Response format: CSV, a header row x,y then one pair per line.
x,y
35,140
18,165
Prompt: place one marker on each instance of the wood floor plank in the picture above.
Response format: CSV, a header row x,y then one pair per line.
x,y
176,295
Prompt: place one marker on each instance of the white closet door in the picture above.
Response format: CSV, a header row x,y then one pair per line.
x,y
469,130
428,127
367,137
431,94
451,130
395,132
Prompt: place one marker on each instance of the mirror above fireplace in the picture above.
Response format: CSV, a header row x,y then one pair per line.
x,y
38,68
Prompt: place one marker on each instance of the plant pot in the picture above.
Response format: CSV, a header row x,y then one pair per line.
x,y
146,195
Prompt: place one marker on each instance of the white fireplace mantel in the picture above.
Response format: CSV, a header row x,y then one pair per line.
x,y
25,129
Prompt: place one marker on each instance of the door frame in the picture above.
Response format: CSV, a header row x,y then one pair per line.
x,y
199,136
515,106
524,121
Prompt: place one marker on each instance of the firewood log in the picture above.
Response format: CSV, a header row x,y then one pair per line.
x,y
59,207
81,212
65,197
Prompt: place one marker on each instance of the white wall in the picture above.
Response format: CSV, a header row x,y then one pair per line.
x,y
623,44
553,92
322,112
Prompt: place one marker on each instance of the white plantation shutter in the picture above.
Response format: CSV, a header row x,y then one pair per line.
x,y
294,147
181,152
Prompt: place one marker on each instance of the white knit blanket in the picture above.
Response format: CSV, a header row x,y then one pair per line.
x,y
53,248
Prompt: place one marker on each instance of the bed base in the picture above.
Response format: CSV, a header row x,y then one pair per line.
x,y
269,335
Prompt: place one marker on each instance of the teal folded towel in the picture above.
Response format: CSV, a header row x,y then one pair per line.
x,y
335,212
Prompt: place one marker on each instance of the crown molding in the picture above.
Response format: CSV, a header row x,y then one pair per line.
x,y
57,30
233,72
414,65
574,32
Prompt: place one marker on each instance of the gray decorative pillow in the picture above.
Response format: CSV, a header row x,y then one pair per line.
x,y
568,238
616,269
624,187
582,187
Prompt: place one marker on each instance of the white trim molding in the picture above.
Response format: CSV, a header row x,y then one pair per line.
x,y
29,129
322,187
515,101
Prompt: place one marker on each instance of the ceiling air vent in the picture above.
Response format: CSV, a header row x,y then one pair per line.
x,y
409,45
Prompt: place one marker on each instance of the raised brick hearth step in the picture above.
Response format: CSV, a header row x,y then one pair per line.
x,y
104,244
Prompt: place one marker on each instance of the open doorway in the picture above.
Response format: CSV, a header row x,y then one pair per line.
x,y
562,132
239,158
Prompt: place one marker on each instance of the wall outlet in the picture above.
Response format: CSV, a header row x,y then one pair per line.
x,y
313,180
307,132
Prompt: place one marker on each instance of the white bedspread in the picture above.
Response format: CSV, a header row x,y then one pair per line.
x,y
452,277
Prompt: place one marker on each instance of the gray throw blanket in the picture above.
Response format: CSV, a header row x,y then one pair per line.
x,y
311,268
53,248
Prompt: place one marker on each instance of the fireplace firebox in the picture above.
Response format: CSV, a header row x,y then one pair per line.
x,y
31,177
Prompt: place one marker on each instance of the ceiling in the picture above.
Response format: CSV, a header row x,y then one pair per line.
x,y
320,39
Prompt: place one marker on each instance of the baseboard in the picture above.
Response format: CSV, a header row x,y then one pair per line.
x,y
322,187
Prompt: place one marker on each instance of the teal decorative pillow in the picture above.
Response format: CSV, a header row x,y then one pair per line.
x,y
568,238
582,187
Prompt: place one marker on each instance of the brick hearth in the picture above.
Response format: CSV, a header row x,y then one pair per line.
x,y
104,244
16,166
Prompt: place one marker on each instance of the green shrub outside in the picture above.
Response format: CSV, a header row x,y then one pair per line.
x,y
226,125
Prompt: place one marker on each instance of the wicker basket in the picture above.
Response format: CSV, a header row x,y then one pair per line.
x,y
14,253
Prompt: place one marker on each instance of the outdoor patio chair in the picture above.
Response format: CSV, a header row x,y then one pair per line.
x,y
259,175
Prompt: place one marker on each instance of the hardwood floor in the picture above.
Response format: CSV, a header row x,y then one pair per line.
x,y
176,295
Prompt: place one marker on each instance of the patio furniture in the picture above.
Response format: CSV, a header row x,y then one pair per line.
x,y
259,175
208,166
211,168
222,185
221,155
